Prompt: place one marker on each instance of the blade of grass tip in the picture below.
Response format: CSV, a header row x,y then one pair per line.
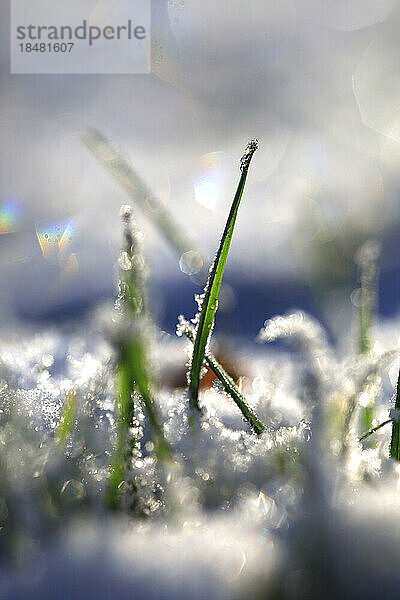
x,y
208,303
112,160
229,386
66,422
395,441
367,260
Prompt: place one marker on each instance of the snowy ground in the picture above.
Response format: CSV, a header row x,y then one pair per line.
x,y
284,515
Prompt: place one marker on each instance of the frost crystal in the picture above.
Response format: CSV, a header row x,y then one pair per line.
x,y
248,154
126,213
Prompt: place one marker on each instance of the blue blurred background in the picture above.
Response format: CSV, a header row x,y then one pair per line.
x,y
315,81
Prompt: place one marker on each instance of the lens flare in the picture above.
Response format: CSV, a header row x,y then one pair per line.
x,y
212,186
190,262
73,489
67,237
264,501
55,240
10,213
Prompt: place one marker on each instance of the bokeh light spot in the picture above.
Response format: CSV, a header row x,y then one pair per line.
x,y
190,262
73,489
212,187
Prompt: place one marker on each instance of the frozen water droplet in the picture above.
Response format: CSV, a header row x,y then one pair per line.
x,y
47,360
125,262
217,386
126,212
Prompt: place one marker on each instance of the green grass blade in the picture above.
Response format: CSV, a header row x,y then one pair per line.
x,y
373,430
362,385
131,293
132,183
137,361
230,387
130,304
395,441
115,480
125,419
132,286
211,292
133,372
66,422
125,386
367,261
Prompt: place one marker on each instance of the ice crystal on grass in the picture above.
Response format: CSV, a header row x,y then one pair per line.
x,y
303,329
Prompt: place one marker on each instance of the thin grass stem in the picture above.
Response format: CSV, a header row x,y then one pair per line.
x,y
395,441
230,388
209,301
373,429
113,161
133,371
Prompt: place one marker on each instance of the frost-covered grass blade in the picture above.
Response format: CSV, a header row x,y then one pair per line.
x,y
125,420
374,429
209,300
137,361
66,422
395,441
228,384
133,372
365,384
